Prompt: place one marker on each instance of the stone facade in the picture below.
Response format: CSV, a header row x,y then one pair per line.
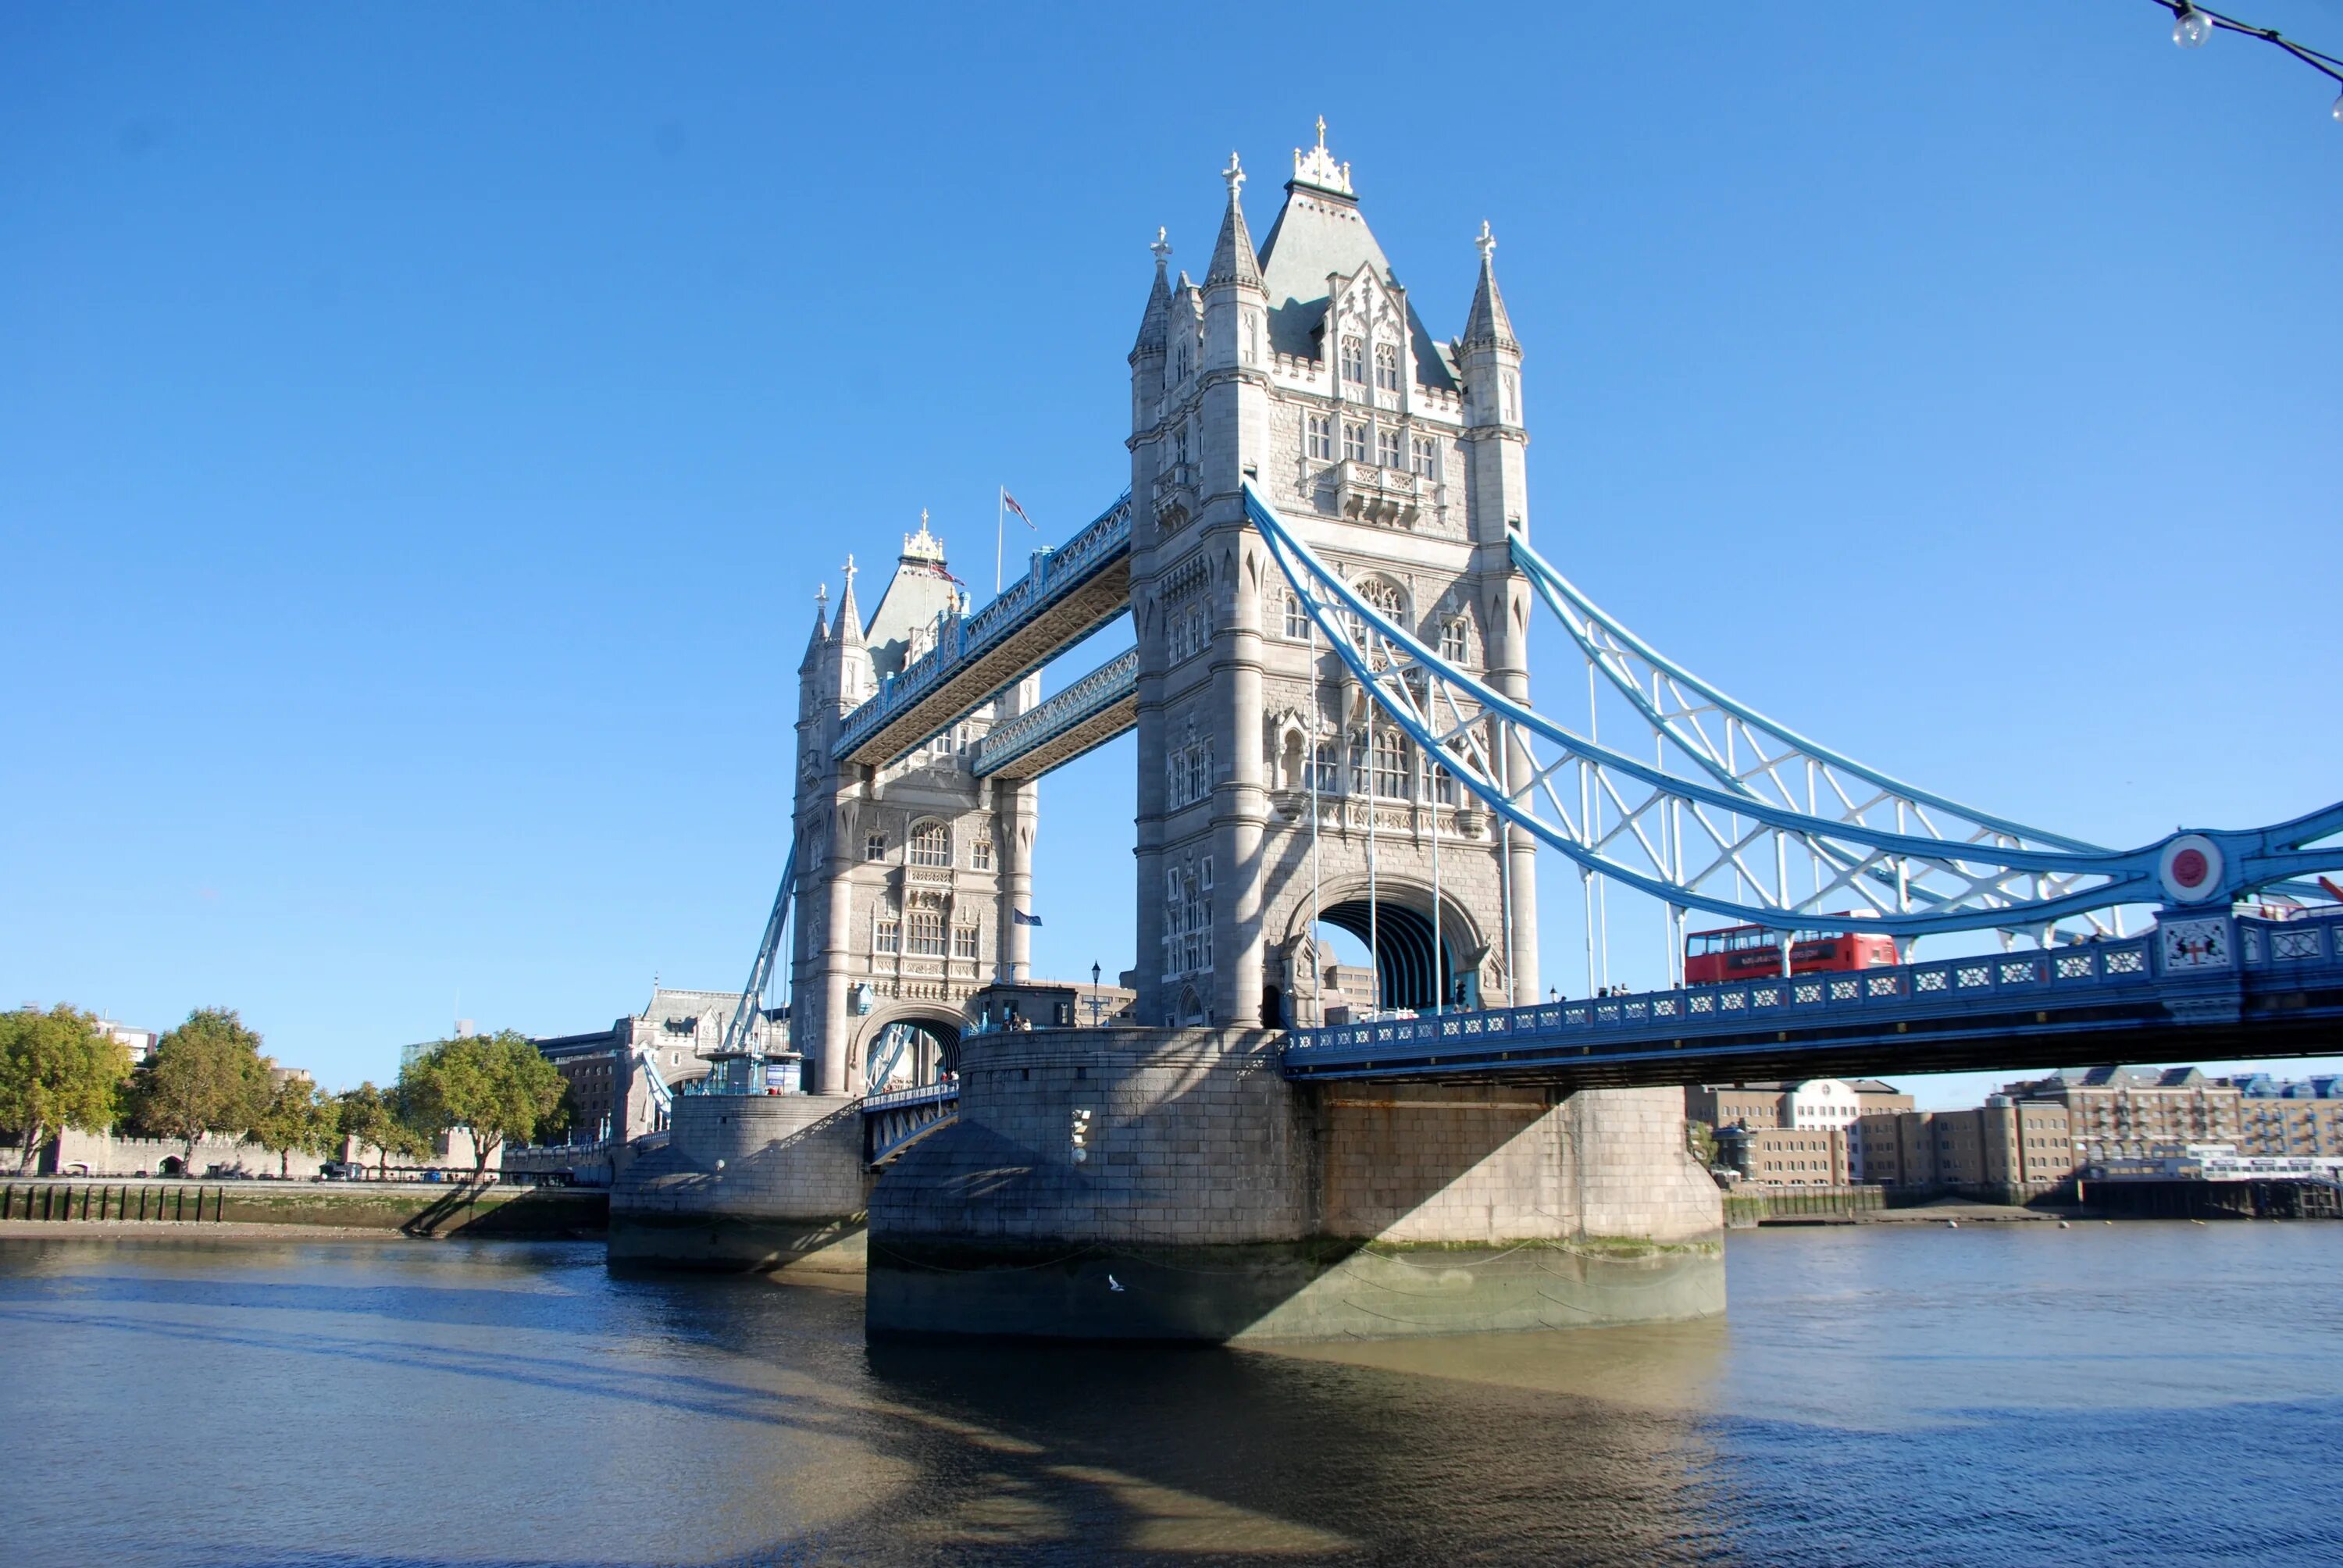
x,y
907,873
1399,460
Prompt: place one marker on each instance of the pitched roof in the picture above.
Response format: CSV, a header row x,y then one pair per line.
x,y
1320,232
921,590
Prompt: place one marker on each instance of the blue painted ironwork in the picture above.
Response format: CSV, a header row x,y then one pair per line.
x,y
2191,982
895,1119
1946,867
1115,681
761,972
959,640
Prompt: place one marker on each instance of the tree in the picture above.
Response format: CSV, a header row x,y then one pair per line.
x,y
296,1116
57,1071
498,1086
1700,1139
372,1118
207,1076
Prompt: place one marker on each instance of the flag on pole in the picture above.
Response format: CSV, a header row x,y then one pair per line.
x,y
1011,502
1022,919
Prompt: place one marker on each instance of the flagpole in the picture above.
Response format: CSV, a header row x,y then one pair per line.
x,y
1000,523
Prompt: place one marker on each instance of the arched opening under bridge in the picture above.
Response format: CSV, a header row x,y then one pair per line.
x,y
909,1051
1388,952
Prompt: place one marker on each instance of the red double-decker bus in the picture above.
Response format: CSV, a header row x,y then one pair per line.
x,y
1750,952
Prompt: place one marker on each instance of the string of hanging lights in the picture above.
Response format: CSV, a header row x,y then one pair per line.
x,y
2193,26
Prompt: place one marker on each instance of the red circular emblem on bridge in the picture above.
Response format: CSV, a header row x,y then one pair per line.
x,y
2188,868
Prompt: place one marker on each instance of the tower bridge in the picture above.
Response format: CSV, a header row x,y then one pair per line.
x,y
1326,554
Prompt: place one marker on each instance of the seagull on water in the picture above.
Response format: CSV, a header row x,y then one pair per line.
x,y
1112,1283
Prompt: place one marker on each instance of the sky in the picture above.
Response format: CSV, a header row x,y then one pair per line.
x,y
423,429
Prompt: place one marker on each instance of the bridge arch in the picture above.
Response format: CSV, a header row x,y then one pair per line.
x,y
1419,963
910,1041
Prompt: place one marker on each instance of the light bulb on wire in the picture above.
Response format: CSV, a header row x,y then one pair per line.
x,y
2338,110
2192,28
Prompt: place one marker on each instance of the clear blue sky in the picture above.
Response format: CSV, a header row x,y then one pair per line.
x,y
422,428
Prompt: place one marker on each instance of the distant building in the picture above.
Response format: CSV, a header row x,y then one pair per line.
x,y
2118,1111
2289,1119
1785,1156
140,1041
2016,1148
677,1031
1833,1104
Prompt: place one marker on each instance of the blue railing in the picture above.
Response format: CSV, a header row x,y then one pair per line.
x,y
1054,573
2183,954
896,1099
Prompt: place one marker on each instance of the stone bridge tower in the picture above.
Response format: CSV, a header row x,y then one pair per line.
x,y
908,872
1398,458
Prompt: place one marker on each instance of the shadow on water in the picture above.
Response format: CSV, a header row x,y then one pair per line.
x,y
973,1452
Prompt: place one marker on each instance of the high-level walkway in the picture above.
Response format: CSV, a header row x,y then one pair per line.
x,y
2194,987
1071,592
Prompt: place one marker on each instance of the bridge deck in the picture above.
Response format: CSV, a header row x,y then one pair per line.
x,y
1088,714
1070,593
2204,988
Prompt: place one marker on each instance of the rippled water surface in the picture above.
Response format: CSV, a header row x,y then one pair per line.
x,y
2143,1394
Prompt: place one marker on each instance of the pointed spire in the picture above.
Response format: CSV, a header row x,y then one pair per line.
x,y
849,629
1486,322
820,637
1233,258
1155,326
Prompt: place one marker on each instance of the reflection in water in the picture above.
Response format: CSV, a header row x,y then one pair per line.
x,y
1875,1394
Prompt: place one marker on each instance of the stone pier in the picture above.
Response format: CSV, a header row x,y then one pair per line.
x,y
1207,1198
747,1183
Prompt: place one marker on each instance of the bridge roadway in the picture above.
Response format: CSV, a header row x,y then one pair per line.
x,y
2197,988
1071,592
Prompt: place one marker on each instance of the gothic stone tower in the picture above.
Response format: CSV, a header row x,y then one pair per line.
x,y
907,873
1398,460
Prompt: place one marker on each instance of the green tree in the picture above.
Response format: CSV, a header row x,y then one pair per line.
x,y
57,1071
498,1086
1700,1138
296,1117
207,1076
373,1119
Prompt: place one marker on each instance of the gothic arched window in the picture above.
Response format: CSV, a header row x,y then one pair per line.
x,y
1456,640
1384,599
931,845
1387,366
1297,619
1354,358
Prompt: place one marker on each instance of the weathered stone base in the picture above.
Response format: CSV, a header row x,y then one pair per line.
x,y
739,1243
1229,1205
747,1185
1270,1292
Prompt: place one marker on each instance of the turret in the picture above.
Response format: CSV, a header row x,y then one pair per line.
x,y
1488,353
1154,340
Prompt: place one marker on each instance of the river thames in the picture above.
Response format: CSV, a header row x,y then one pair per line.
x,y
1995,1394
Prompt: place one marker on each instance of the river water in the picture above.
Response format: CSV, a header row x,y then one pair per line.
x,y
1995,1394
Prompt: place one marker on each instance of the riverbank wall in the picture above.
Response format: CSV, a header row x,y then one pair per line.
x,y
1168,1185
414,1209
1796,1205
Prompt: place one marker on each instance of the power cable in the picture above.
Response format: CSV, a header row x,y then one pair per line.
x,y
2193,26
